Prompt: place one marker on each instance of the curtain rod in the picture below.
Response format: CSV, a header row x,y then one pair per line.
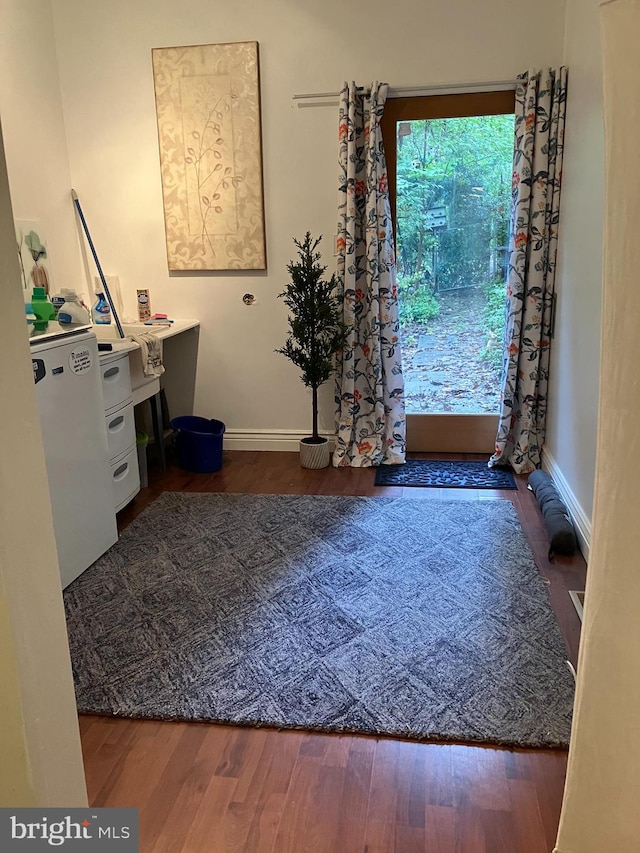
x,y
399,91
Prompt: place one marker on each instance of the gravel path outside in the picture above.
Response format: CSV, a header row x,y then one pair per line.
x,y
443,364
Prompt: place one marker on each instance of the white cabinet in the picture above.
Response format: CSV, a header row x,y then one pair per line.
x,y
126,478
70,403
120,427
116,380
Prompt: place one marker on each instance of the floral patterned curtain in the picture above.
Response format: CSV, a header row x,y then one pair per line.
x,y
537,171
370,414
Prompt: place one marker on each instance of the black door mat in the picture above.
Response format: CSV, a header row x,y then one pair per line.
x,y
444,475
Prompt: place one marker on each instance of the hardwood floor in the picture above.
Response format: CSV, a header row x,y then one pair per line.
x,y
204,788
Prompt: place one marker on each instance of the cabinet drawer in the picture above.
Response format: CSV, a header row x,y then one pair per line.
x,y
126,479
121,430
116,381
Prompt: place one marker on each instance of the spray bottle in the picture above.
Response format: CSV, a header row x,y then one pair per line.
x,y
101,311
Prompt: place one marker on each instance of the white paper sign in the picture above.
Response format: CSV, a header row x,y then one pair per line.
x,y
80,360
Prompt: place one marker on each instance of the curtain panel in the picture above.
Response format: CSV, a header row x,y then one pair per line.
x,y
537,172
370,413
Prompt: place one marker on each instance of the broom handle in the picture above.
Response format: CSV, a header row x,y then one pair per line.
x,y
76,202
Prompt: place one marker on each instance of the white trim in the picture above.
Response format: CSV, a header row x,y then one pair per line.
x,y
581,520
265,439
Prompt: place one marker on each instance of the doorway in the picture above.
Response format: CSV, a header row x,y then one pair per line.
x,y
449,161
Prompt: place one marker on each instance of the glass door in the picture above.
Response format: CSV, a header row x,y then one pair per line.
x,y
449,160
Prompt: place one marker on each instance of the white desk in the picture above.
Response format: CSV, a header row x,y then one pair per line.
x,y
142,386
179,356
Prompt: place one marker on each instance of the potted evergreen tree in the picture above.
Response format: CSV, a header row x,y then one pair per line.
x,y
316,333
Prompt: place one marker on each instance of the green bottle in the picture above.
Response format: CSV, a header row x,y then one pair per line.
x,y
42,308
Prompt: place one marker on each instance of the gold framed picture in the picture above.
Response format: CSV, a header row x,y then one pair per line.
x,y
209,134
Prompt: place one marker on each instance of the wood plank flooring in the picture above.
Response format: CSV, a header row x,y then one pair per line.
x,y
224,789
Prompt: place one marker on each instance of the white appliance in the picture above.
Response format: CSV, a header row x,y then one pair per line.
x,y
66,370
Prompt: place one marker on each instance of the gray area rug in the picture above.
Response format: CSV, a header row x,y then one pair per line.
x,y
409,617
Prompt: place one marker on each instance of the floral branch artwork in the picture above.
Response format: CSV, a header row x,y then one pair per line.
x,y
208,107
213,179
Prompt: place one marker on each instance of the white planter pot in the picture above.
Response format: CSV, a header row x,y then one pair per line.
x,y
313,455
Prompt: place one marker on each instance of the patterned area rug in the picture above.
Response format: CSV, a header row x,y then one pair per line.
x,y
397,616
444,475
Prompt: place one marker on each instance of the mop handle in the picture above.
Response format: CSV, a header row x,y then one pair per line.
x,y
76,202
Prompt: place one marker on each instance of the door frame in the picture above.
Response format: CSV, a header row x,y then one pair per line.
x,y
443,433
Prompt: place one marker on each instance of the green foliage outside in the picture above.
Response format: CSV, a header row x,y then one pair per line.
x,y
462,167
416,302
493,319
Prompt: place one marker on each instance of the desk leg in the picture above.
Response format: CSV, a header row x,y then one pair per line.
x,y
158,426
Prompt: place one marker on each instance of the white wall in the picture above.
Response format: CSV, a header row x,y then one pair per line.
x,y
41,761
34,134
574,373
600,808
104,57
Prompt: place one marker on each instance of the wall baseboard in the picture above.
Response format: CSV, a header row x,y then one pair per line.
x,y
581,520
264,439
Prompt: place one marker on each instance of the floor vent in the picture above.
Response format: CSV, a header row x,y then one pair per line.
x,y
578,601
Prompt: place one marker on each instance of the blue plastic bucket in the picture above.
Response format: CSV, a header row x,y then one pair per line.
x,y
199,443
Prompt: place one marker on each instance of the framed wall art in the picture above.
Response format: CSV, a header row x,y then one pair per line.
x,y
209,133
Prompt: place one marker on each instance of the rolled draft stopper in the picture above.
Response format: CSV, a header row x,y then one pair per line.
x,y
562,537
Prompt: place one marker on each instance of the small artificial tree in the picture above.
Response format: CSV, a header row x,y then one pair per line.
x,y
316,330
